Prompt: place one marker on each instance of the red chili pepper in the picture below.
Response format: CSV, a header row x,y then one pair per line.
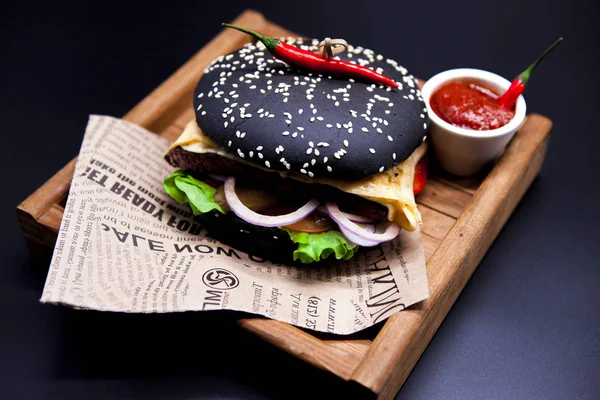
x,y
420,175
509,98
307,60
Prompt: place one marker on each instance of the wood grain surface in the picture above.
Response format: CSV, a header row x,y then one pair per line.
x,y
461,219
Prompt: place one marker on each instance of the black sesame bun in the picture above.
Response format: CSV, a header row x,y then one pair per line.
x,y
266,243
258,108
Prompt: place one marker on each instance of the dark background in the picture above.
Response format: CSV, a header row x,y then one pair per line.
x,y
527,326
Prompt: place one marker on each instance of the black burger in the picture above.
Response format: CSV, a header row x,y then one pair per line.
x,y
296,166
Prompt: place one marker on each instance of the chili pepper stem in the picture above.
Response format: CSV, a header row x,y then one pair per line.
x,y
269,42
524,76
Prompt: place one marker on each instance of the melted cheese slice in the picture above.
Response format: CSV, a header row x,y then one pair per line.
x,y
392,188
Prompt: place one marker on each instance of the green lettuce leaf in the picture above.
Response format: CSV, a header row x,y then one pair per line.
x,y
184,188
318,246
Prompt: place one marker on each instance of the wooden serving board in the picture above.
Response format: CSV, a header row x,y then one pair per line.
x,y
461,219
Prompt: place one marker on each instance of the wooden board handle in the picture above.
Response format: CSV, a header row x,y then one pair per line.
x,y
405,335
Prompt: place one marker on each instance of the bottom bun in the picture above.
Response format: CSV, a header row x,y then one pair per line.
x,y
271,244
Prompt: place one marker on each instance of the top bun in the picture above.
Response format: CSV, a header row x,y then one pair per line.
x,y
256,107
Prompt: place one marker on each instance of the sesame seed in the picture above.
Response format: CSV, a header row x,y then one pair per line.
x,y
225,124
285,133
346,143
300,111
287,121
268,164
303,170
372,150
199,107
381,169
364,129
295,134
300,128
329,168
320,118
338,125
336,155
229,144
350,130
391,139
309,150
394,156
311,174
325,159
260,155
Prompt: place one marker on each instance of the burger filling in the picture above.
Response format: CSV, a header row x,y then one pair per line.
x,y
323,216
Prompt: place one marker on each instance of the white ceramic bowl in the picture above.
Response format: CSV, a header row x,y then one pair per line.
x,y
466,152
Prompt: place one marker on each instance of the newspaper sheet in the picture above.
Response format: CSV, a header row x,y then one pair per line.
x,y
125,246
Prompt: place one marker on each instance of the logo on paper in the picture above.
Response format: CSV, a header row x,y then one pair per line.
x,y
219,278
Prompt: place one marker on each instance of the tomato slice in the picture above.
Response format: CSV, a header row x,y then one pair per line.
x,y
312,224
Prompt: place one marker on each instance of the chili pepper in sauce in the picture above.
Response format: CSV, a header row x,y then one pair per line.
x,y
307,60
470,106
509,98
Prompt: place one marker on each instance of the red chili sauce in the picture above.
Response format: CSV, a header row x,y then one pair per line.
x,y
468,105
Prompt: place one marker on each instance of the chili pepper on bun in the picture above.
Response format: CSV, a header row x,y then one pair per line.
x,y
316,157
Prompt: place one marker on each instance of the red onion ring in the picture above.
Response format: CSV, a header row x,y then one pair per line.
x,y
255,218
357,234
352,217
